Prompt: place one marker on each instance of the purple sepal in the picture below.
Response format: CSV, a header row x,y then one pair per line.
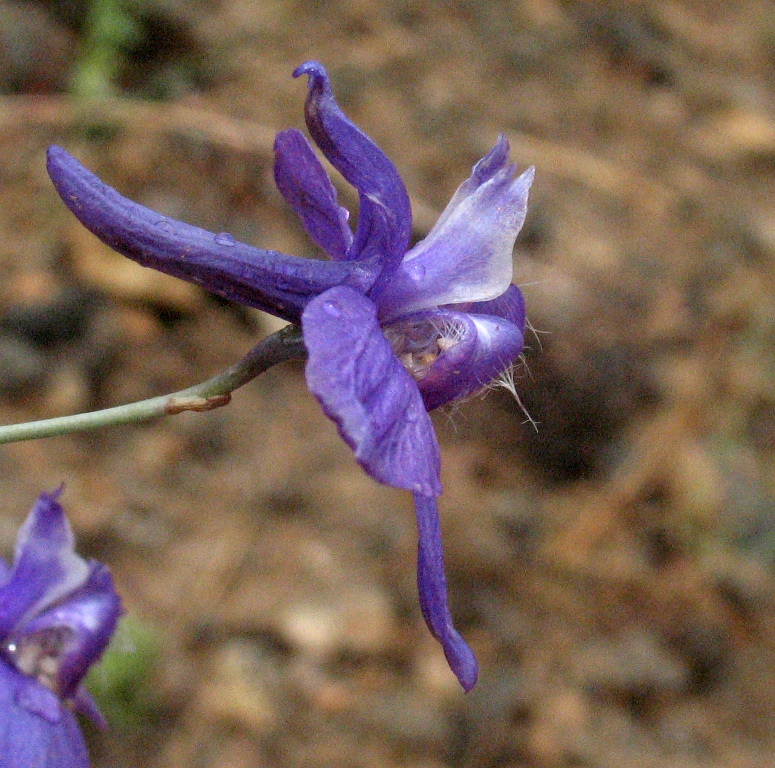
x,y
385,217
306,187
268,280
58,612
363,387
467,256
31,736
432,587
83,626
46,567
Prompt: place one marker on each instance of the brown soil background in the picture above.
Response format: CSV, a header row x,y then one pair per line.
x,y
613,570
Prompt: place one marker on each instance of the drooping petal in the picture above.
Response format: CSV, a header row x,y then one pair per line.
x,y
432,587
46,567
59,645
467,257
451,354
274,282
385,218
27,737
366,391
305,185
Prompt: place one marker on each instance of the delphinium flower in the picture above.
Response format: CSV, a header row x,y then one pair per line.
x,y
57,615
391,332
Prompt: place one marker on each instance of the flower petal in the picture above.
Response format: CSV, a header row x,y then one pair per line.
x,y
385,218
64,641
432,586
305,185
467,256
46,567
454,354
363,387
27,737
274,282
510,305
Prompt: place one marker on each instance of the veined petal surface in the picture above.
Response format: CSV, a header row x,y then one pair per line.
x,y
365,390
268,280
467,257
305,185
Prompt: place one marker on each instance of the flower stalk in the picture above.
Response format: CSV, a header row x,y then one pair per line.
x,y
286,344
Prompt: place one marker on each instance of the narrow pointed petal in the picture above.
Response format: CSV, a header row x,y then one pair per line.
x,y
385,219
467,257
305,185
432,586
46,567
454,355
274,282
73,634
365,390
27,737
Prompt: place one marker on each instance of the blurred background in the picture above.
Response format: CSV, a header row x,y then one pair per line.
x,y
614,569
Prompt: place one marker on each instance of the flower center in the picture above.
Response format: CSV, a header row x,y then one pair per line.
x,y
418,343
39,655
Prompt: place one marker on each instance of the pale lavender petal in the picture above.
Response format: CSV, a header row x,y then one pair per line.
x,y
468,256
305,185
29,737
72,635
453,355
46,567
432,586
363,387
385,218
274,282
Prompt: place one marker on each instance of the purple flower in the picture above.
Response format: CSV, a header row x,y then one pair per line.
x,y
391,332
57,615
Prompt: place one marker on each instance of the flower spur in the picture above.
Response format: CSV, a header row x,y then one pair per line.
x,y
57,615
391,332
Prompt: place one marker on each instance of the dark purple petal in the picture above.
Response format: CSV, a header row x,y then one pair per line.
x,y
46,567
432,586
305,185
467,256
70,636
274,282
30,738
385,218
510,305
363,387
453,355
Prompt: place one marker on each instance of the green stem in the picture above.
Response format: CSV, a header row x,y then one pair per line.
x,y
286,344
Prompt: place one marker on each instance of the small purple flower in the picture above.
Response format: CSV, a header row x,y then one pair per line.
x,y
391,332
57,615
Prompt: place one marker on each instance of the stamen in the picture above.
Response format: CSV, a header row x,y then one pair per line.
x,y
419,343
39,655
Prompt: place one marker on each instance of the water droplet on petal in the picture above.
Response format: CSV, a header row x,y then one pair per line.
x,y
224,238
332,308
165,225
416,272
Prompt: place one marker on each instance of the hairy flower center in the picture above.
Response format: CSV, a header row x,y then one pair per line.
x,y
39,655
418,343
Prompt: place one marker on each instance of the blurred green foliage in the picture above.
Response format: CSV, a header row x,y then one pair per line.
x,y
121,682
109,31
